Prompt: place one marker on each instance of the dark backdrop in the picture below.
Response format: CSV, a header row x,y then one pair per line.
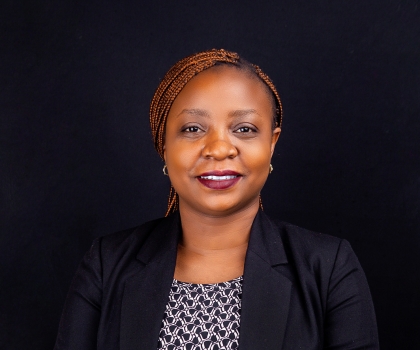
x,y
77,159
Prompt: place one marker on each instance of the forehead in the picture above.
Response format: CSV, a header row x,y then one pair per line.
x,y
229,72
226,83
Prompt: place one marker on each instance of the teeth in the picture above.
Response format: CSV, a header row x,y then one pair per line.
x,y
219,178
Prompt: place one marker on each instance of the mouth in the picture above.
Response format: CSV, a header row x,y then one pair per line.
x,y
219,180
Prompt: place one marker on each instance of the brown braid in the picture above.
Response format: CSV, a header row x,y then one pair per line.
x,y
175,80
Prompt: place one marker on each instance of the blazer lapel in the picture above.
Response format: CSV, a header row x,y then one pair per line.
x,y
265,298
266,292
146,293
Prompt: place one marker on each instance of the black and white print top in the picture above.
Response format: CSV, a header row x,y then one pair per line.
x,y
202,316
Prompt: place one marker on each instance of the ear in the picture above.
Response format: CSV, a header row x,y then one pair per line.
x,y
274,138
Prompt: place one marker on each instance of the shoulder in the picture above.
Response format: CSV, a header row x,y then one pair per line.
x,y
313,251
123,245
321,262
307,241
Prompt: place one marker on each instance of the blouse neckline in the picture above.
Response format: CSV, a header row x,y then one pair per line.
x,y
220,284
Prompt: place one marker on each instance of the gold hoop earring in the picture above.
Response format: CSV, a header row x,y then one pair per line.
x,y
165,170
271,169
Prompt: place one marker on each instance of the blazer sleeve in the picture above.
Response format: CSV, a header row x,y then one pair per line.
x,y
350,321
80,319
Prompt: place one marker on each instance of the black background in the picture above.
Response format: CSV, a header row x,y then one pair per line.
x,y
77,159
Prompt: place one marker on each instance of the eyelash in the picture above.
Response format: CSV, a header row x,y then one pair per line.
x,y
195,129
249,129
188,129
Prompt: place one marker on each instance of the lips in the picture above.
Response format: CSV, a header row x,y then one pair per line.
x,y
219,179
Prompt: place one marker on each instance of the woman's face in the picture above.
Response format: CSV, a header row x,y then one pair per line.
x,y
219,141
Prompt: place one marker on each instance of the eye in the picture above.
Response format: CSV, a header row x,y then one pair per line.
x,y
245,130
191,129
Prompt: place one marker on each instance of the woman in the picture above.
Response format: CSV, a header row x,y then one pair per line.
x,y
216,272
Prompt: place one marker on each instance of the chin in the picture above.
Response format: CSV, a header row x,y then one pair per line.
x,y
219,208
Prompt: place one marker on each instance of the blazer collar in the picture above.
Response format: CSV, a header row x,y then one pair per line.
x,y
146,292
162,239
265,298
265,240
266,291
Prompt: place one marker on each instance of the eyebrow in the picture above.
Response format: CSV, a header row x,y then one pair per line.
x,y
204,113
242,112
195,112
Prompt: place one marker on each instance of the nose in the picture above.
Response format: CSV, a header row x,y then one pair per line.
x,y
219,148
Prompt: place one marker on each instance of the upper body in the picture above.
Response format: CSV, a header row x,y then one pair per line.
x,y
301,290
215,121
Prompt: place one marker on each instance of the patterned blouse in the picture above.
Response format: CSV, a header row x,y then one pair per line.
x,y
202,316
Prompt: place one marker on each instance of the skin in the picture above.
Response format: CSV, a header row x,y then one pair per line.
x,y
221,120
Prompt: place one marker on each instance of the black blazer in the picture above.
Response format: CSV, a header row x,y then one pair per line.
x,y
301,290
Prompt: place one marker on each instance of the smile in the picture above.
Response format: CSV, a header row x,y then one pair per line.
x,y
219,180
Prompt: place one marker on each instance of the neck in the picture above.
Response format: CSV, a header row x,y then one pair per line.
x,y
201,232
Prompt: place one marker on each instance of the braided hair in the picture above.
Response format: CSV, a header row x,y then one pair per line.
x,y
175,80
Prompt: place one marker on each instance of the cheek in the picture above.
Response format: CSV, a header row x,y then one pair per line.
x,y
257,156
179,157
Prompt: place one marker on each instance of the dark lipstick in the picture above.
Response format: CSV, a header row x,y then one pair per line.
x,y
219,179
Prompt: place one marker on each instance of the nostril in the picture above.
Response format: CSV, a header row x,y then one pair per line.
x,y
219,149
